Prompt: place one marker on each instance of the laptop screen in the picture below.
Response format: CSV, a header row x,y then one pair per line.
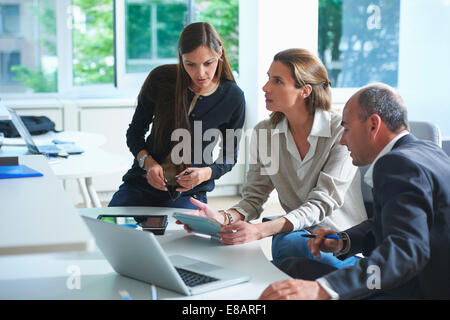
x,y
20,126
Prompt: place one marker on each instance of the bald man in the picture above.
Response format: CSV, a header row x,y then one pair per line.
x,y
406,244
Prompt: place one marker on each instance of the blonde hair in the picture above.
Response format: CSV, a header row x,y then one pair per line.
x,y
306,68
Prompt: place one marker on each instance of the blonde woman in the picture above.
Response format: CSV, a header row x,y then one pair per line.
x,y
317,184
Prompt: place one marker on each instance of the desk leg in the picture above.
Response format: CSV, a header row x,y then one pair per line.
x,y
84,193
93,193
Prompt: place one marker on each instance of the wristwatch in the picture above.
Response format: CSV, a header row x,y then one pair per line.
x,y
142,161
345,242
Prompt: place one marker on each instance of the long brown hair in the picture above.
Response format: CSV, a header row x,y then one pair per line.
x,y
174,113
306,69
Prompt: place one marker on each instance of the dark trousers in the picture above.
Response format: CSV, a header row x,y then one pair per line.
x,y
138,193
305,269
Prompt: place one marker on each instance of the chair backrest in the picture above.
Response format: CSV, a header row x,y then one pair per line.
x,y
422,130
445,146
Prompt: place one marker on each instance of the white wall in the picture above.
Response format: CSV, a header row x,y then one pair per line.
x,y
265,28
424,60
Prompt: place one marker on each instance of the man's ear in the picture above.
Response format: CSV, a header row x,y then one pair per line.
x,y
375,125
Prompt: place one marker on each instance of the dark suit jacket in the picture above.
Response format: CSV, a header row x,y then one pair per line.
x,y
408,237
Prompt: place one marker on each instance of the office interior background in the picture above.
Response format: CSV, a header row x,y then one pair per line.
x,y
82,62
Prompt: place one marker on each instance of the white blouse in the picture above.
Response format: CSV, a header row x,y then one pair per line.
x,y
323,189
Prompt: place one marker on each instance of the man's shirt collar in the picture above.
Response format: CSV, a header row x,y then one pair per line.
x,y
368,177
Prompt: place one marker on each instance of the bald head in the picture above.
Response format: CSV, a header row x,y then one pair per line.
x,y
381,99
371,118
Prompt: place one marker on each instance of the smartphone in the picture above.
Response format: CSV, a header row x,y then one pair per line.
x,y
172,185
153,223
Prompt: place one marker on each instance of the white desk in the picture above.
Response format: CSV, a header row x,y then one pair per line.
x,y
46,276
37,216
93,162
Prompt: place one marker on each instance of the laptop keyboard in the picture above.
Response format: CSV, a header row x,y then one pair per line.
x,y
192,279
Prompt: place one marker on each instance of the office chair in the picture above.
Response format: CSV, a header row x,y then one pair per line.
x,y
422,130
446,146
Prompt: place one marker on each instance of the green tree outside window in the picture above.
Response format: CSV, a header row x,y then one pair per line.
x,y
93,37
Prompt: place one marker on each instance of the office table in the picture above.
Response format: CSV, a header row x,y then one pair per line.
x,y
93,162
50,276
37,215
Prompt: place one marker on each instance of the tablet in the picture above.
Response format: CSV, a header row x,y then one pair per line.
x,y
154,223
200,224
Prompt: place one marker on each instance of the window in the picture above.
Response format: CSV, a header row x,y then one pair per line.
x,y
107,44
359,41
92,41
153,28
28,59
9,19
152,31
224,16
7,60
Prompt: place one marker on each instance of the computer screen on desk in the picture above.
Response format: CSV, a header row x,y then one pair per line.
x,y
32,148
137,254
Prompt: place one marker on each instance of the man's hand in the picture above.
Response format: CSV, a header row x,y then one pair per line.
x,y
294,289
326,245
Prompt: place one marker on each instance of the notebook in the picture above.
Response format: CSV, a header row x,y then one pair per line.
x,y
69,148
18,171
138,255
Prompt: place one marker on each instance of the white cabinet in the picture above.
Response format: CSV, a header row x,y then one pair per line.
x,y
113,124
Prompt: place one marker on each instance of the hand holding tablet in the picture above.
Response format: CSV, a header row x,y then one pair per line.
x,y
200,224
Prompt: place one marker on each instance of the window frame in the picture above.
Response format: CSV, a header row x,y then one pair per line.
x,y
125,83
3,33
343,94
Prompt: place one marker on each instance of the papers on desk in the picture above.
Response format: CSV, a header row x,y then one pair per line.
x,y
10,168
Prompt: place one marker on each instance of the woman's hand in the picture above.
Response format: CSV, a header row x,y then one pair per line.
x,y
155,177
192,177
205,211
240,232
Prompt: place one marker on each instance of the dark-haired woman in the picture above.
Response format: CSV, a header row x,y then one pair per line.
x,y
194,96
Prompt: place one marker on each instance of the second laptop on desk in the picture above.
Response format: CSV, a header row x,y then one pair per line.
x,y
138,255
69,148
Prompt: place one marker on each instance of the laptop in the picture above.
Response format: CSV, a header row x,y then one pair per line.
x,y
138,255
69,148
